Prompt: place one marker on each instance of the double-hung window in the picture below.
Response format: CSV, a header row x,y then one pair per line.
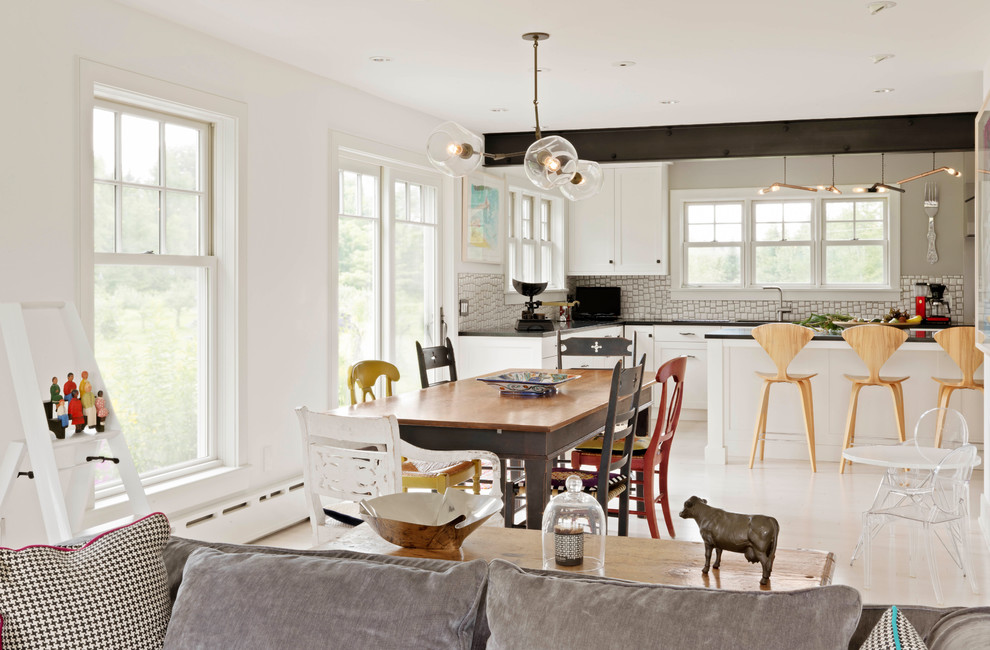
x,y
731,240
155,281
534,239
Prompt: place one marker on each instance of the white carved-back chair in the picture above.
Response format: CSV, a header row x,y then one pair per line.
x,y
355,458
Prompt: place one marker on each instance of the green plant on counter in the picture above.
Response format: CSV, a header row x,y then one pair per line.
x,y
824,322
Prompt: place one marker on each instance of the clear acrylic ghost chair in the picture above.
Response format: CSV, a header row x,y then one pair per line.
x,y
899,483
352,458
940,506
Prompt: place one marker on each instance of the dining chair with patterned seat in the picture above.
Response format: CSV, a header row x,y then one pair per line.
x,y
651,455
435,476
612,478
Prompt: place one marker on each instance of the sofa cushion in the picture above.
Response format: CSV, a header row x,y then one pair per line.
x,y
111,592
961,630
557,608
894,631
921,618
258,600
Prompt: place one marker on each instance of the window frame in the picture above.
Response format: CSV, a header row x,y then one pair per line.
x,y
227,137
748,288
515,243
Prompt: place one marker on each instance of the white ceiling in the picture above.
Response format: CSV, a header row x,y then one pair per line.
x,y
723,60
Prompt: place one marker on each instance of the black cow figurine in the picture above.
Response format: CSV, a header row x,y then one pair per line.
x,y
755,536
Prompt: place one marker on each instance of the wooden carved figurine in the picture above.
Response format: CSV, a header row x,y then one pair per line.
x,y
755,536
76,412
87,399
69,387
101,411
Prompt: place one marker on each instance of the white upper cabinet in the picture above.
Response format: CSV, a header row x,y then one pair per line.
x,y
623,229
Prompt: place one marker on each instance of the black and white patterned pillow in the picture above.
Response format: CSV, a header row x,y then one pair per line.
x,y
893,632
110,593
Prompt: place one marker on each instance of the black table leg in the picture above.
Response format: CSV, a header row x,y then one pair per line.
x,y
537,491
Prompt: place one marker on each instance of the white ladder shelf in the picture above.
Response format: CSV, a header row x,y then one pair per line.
x,y
62,510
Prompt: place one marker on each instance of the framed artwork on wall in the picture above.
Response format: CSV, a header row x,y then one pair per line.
x,y
483,214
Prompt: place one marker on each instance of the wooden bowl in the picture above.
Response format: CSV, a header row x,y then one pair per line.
x,y
427,520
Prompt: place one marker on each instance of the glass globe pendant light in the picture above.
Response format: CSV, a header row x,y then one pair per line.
x,y
587,181
454,150
549,162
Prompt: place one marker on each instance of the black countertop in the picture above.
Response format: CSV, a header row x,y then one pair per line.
x,y
733,329
918,335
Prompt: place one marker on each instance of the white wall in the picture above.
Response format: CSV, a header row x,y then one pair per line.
x,y
285,219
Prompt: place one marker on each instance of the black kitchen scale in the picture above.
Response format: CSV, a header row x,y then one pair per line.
x,y
531,320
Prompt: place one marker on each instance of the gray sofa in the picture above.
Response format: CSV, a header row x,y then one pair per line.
x,y
262,597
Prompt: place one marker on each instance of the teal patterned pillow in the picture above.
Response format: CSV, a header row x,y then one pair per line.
x,y
894,632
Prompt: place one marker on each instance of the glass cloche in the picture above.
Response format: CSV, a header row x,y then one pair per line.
x,y
574,531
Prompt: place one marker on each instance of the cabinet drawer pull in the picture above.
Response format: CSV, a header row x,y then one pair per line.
x,y
611,262
658,261
690,356
687,333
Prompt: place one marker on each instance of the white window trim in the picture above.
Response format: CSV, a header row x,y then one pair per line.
x,y
229,152
752,291
557,289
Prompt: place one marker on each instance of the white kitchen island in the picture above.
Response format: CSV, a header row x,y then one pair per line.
x,y
734,396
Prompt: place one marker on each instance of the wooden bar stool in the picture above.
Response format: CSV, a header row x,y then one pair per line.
x,y
783,341
874,344
960,344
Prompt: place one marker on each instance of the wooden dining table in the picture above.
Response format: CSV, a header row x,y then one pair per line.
x,y
470,414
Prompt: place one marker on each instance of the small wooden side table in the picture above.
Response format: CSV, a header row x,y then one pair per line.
x,y
641,559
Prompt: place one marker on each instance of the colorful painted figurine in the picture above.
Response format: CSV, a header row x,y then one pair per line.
x,y
101,411
63,416
69,387
55,391
86,397
76,412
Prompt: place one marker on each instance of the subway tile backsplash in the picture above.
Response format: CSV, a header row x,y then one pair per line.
x,y
648,298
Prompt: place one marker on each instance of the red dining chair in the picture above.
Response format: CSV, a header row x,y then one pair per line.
x,y
650,457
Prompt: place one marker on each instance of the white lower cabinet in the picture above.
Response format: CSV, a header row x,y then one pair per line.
x,y
687,341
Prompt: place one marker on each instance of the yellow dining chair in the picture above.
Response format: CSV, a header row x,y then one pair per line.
x,y
430,476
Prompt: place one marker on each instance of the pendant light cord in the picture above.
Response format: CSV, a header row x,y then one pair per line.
x,y
536,89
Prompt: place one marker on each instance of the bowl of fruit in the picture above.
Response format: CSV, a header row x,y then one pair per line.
x,y
894,318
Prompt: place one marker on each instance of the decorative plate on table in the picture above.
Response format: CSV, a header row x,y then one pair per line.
x,y
853,323
528,382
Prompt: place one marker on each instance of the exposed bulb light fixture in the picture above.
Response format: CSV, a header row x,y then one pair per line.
x,y
881,187
775,187
831,188
549,162
951,171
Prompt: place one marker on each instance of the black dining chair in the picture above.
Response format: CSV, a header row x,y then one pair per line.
x,y
591,346
439,356
612,478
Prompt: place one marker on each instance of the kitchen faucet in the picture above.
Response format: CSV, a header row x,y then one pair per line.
x,y
780,309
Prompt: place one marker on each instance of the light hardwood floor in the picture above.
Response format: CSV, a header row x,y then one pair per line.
x,y
816,511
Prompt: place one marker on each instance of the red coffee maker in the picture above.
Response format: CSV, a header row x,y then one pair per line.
x,y
920,299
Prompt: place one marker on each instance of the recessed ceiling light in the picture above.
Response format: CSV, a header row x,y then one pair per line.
x,y
380,59
876,7
500,110
877,58
624,64
884,90
670,101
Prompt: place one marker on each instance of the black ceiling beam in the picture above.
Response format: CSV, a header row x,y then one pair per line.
x,y
902,133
